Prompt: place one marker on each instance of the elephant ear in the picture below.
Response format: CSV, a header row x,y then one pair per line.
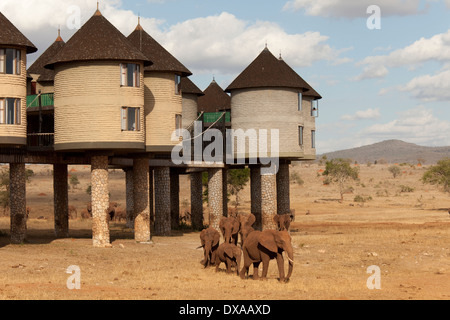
x,y
216,239
222,222
250,220
229,251
236,226
276,218
202,237
267,240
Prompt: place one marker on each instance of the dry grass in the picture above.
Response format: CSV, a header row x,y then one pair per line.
x,y
405,234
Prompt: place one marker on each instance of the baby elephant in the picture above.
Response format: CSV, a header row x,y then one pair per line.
x,y
230,254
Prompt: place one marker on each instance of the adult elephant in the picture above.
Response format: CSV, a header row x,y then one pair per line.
x,y
245,228
263,246
230,229
210,243
283,221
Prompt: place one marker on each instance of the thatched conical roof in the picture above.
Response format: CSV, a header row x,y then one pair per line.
x,y
187,86
98,39
162,59
214,100
38,66
11,36
268,71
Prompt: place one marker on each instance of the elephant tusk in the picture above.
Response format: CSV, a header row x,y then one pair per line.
x,y
290,260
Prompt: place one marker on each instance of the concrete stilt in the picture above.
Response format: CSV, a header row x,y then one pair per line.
x,y
129,197
61,200
174,199
196,200
215,197
268,200
162,201
141,200
255,186
17,201
283,192
100,201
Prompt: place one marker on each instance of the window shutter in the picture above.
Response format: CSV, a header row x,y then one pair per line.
x,y
18,62
2,60
17,112
124,118
2,111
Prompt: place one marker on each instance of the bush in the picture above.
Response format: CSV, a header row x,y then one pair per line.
x,y
394,170
297,179
404,188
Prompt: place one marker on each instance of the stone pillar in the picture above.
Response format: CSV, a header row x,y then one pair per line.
x,y
141,200
255,187
129,197
283,198
268,200
225,192
215,197
17,202
61,200
162,201
197,200
100,201
151,194
174,199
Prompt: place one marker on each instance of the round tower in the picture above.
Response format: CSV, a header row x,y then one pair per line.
x,y
268,95
190,94
14,47
99,91
163,96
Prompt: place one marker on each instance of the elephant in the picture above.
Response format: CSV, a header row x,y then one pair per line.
x,y
263,246
230,229
283,221
230,254
246,226
210,243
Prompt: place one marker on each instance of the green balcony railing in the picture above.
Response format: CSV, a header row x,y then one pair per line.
x,y
211,117
47,100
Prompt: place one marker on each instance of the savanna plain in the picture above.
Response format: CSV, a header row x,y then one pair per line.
x,y
398,224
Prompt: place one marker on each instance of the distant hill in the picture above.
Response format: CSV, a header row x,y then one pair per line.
x,y
392,151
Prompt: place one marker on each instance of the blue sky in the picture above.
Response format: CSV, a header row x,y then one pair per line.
x,y
391,83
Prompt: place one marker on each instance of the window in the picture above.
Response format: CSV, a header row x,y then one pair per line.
x,y
131,119
10,61
300,136
130,75
313,139
300,101
314,108
2,60
178,123
10,111
177,85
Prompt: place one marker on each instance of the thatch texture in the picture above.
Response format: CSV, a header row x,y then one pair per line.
x,y
11,36
214,100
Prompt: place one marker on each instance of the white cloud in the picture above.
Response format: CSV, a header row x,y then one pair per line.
x,y
418,125
372,72
228,44
369,114
214,44
355,8
430,87
436,48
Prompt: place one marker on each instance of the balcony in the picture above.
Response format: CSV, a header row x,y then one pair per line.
x,y
211,117
40,141
47,100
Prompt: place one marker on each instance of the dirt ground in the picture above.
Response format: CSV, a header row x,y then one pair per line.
x,y
403,228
